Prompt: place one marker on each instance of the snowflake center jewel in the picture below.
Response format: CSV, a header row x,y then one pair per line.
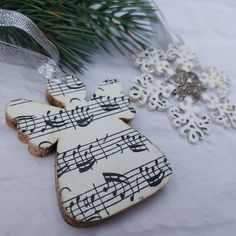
x,y
187,84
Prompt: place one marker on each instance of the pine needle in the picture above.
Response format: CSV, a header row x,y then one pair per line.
x,y
79,27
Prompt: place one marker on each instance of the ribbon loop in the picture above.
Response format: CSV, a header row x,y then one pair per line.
x,y
47,67
165,35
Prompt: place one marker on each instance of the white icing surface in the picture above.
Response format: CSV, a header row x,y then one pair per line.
x,y
199,200
103,165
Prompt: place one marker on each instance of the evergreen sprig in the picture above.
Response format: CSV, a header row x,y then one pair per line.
x,y
79,27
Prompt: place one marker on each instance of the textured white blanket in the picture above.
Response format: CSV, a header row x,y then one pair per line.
x,y
201,197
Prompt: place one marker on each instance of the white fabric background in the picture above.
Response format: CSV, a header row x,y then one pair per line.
x,y
201,197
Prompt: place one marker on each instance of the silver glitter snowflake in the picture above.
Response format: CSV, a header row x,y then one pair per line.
x,y
187,84
177,72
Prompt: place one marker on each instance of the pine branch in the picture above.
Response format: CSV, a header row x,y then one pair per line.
x,y
79,27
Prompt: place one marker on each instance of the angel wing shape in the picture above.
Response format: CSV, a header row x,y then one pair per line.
x,y
103,165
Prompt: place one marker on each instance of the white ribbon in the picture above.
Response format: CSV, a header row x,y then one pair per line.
x,y
163,34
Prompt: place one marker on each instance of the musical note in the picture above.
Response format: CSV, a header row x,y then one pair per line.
x,y
100,145
71,85
86,202
28,121
77,200
63,168
153,176
70,207
120,147
137,184
74,83
107,103
86,161
84,118
107,82
126,101
89,201
55,123
136,144
115,179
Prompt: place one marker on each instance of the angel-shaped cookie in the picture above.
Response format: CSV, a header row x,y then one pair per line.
x,y
103,165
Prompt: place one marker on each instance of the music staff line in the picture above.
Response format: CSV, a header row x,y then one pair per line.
x,y
69,81
19,102
93,120
82,161
72,125
76,163
67,116
101,139
101,185
91,107
70,86
103,203
99,102
138,187
113,203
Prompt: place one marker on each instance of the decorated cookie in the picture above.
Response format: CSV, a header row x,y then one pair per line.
x,y
103,165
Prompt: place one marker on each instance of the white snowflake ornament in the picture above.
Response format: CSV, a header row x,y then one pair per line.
x,y
151,53
222,111
153,61
155,95
215,79
140,90
193,125
183,56
185,63
163,67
